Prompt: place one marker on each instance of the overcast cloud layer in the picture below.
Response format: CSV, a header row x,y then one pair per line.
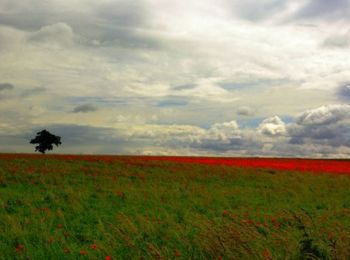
x,y
201,77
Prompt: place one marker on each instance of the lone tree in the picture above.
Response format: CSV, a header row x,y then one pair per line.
x,y
45,139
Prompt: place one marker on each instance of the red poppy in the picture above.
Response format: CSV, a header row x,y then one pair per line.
x,y
267,255
50,240
93,246
225,212
20,248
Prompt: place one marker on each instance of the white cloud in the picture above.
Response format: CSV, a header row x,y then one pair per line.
x,y
272,126
223,132
324,115
157,71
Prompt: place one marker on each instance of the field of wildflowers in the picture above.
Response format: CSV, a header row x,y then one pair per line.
x,y
107,207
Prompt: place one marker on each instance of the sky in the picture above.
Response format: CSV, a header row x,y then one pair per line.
x,y
194,77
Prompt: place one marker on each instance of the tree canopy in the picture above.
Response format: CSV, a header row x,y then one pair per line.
x,y
45,141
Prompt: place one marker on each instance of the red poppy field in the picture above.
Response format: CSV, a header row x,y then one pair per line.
x,y
133,207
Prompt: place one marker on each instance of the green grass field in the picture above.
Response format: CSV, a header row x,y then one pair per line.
x,y
70,209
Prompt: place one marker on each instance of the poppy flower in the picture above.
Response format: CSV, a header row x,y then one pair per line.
x,y
177,253
267,255
50,240
225,213
19,248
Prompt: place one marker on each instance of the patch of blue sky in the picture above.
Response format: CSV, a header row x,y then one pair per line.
x,y
101,100
115,101
255,122
237,86
250,122
287,119
264,82
172,103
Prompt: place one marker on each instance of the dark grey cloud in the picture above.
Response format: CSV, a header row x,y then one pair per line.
x,y
337,41
245,111
85,108
212,145
29,15
113,23
33,91
86,139
6,86
334,135
257,10
333,10
242,145
184,86
324,115
14,143
327,125
224,137
343,92
77,134
102,101
124,13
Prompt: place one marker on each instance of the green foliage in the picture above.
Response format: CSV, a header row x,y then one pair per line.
x,y
69,209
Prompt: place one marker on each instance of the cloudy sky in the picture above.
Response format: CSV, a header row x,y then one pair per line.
x,y
194,77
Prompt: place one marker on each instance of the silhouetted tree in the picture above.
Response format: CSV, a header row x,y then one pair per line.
x,y
45,140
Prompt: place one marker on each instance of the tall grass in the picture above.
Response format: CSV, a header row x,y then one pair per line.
x,y
69,209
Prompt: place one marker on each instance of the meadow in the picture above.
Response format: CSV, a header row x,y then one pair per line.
x,y
81,207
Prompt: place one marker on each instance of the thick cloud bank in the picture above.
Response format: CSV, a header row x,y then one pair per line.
x,y
326,125
219,77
